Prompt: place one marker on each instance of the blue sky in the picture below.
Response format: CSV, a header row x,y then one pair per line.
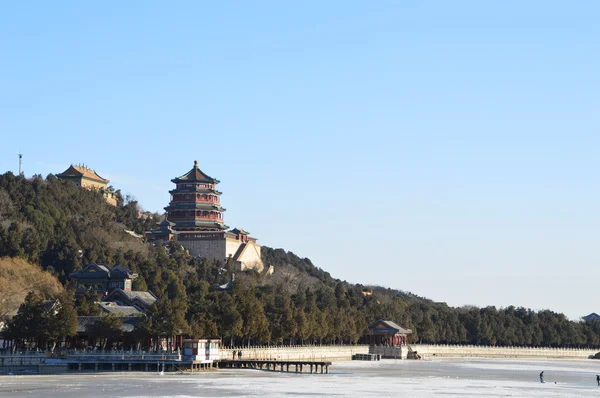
x,y
445,148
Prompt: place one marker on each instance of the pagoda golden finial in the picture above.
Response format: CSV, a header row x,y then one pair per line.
x,y
195,163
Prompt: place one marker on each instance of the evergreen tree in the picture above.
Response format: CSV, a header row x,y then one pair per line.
x,y
30,322
105,330
63,323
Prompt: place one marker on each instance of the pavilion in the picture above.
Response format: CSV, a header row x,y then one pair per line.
x,y
387,333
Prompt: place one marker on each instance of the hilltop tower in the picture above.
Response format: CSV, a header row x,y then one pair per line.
x,y
195,203
197,216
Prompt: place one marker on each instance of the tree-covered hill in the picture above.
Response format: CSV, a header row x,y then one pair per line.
x,y
61,227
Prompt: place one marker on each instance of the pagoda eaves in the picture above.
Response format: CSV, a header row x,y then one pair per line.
x,y
195,175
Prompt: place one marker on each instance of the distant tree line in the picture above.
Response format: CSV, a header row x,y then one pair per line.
x,y
62,227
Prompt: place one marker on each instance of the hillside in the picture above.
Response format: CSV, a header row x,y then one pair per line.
x,y
61,227
19,277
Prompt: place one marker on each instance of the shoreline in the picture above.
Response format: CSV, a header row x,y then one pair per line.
x,y
37,364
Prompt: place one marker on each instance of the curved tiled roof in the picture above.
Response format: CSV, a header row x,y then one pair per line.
x,y
124,271
81,171
145,298
93,270
389,325
114,308
195,175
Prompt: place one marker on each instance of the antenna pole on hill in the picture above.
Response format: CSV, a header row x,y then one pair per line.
x,y
20,157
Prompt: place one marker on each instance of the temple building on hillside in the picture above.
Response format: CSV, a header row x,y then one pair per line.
x,y
131,298
592,317
98,278
87,178
195,209
114,285
164,232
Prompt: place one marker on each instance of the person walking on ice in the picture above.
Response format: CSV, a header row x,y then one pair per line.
x,y
598,379
542,377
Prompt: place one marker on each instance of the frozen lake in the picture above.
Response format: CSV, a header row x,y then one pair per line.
x,y
443,377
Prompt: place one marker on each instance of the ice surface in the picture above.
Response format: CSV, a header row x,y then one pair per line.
x,y
439,377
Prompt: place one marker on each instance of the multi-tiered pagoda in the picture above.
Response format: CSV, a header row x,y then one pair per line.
x,y
195,205
196,215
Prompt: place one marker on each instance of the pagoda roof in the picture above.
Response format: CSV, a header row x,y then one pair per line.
x,y
200,224
195,189
193,205
195,175
82,171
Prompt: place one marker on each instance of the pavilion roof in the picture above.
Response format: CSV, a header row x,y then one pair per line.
x,y
388,327
195,175
82,171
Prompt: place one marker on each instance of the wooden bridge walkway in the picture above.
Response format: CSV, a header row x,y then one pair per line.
x,y
274,365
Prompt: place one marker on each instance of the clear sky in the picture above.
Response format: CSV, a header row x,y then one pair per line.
x,y
447,148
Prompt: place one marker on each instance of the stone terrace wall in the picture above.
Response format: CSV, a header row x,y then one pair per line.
x,y
389,352
500,352
344,353
285,353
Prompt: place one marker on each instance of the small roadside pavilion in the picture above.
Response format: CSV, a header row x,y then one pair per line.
x,y
387,333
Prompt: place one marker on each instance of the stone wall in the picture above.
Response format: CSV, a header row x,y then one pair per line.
x,y
298,353
231,247
429,350
222,249
344,353
389,352
212,249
